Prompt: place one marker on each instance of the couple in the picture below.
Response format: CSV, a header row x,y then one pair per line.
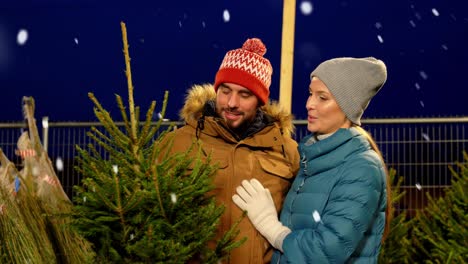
x,y
336,209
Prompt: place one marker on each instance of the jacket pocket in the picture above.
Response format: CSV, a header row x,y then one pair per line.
x,y
274,166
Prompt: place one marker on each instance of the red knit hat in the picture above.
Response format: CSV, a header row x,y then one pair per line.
x,y
247,67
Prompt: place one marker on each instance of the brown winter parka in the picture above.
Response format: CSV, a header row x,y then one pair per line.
x,y
269,155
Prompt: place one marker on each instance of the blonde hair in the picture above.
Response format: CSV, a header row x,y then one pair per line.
x,y
388,210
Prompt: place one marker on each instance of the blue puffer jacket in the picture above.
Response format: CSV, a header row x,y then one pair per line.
x,y
336,205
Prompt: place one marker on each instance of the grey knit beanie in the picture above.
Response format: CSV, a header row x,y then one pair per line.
x,y
353,82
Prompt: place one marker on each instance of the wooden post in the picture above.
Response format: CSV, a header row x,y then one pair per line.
x,y
287,53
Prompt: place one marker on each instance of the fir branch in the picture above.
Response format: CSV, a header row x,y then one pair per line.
x,y
156,177
158,124
162,143
101,196
123,112
143,137
133,200
124,155
110,127
128,73
119,208
228,242
137,118
106,120
102,139
164,106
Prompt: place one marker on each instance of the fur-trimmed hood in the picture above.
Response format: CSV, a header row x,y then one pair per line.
x,y
198,95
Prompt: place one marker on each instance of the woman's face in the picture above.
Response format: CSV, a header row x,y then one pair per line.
x,y
324,115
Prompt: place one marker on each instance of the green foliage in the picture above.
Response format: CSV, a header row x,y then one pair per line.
x,y
137,204
397,246
440,230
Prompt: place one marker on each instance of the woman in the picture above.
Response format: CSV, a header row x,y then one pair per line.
x,y
337,210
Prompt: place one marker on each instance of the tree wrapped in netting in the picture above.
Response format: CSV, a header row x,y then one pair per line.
x,y
441,228
34,209
136,204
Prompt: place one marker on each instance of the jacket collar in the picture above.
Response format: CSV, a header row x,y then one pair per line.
x,y
330,152
260,121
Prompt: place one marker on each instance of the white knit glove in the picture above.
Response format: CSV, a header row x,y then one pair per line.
x,y
257,201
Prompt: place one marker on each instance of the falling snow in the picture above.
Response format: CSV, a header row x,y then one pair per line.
x,y
426,137
423,75
226,16
22,37
418,186
59,164
115,169
306,8
84,199
316,216
173,198
160,116
413,25
418,16
380,38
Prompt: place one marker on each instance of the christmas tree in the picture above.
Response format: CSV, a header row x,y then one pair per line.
x,y
397,246
137,204
440,230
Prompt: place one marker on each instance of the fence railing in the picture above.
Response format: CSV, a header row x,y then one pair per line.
x,y
419,149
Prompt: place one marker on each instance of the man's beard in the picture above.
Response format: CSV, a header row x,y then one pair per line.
x,y
243,126
240,130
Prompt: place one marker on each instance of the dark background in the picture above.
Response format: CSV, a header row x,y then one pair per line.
x,y
75,47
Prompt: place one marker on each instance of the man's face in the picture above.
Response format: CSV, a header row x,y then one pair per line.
x,y
236,104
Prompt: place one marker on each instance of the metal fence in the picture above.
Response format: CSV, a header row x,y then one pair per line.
x,y
419,149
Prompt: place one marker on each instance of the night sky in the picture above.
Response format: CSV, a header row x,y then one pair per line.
x,y
58,51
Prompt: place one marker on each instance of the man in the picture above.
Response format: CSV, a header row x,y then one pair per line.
x,y
247,136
